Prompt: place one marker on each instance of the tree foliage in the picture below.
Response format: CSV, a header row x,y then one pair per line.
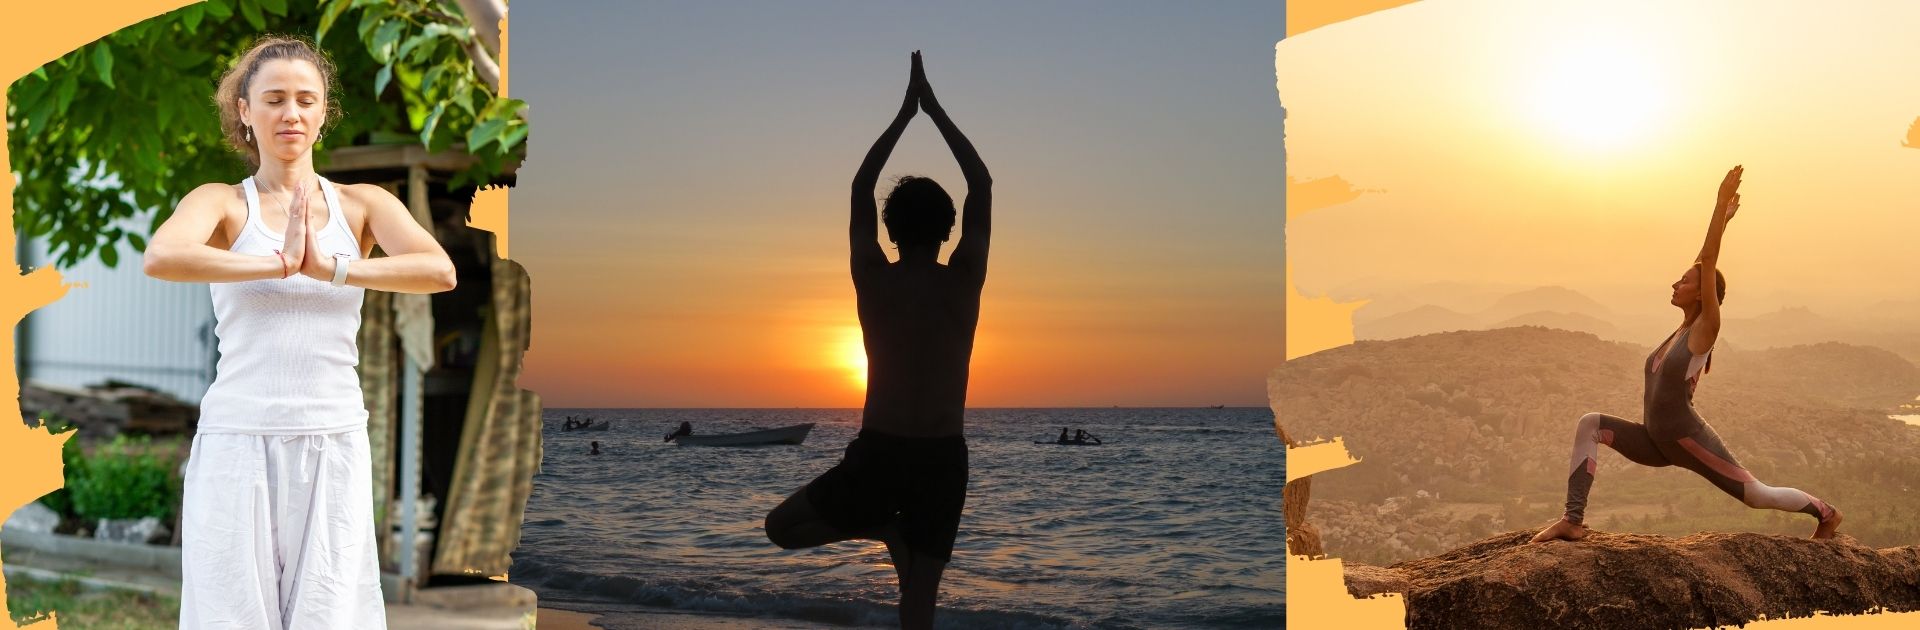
x,y
127,125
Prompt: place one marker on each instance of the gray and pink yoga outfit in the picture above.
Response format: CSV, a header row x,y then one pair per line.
x,y
1674,435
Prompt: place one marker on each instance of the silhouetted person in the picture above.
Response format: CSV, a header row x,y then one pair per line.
x,y
903,481
596,449
1063,436
686,428
1080,436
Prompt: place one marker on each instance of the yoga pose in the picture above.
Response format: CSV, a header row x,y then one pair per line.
x,y
1674,434
903,481
277,519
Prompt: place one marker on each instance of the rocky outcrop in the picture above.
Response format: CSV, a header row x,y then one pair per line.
x,y
1610,580
1303,539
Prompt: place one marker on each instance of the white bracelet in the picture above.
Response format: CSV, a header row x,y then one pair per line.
x,y
340,270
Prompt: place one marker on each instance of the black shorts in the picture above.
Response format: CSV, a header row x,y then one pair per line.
x,y
924,480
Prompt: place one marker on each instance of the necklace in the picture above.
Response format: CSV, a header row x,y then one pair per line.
x,y
286,207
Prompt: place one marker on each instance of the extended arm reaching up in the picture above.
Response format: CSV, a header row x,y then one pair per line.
x,y
976,224
1706,326
863,231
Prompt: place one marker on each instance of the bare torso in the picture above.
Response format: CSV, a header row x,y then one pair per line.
x,y
918,322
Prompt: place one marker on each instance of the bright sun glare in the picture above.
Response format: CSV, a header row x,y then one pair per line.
x,y
851,351
1598,94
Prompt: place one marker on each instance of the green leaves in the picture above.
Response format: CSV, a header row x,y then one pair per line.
x,y
219,10
500,126
380,80
89,160
190,17
103,62
419,47
431,125
128,478
251,11
327,18
426,55
485,133
384,39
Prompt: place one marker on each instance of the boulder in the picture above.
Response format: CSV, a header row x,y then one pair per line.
x,y
1610,580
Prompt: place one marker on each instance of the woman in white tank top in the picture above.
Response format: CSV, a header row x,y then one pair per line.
x,y
277,521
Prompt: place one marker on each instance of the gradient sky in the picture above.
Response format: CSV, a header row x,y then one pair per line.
x,y
1510,142
683,208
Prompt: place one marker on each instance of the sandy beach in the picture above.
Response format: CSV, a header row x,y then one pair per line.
x,y
556,619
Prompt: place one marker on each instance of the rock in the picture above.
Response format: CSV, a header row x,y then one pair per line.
x,y
1367,580
34,518
1612,580
1302,538
138,531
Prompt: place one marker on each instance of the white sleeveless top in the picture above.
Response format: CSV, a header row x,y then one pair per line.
x,y
288,346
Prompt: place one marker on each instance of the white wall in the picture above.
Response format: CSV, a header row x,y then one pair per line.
x,y
122,325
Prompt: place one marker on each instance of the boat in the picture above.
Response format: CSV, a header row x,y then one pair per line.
x,y
1095,442
595,426
784,435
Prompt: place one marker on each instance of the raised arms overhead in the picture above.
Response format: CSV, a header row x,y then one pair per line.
x,y
976,226
863,231
1706,326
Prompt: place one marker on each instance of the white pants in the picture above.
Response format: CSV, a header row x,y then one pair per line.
x,y
278,534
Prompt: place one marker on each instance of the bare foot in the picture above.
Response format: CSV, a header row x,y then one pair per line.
x,y
1561,530
1827,526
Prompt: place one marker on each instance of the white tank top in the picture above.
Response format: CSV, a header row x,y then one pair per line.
x,y
288,346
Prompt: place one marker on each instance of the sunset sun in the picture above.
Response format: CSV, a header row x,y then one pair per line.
x,y
850,352
1597,94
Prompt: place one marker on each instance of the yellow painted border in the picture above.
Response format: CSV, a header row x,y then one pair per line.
x,y
32,34
1316,591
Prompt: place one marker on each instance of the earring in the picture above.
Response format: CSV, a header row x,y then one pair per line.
x,y
249,133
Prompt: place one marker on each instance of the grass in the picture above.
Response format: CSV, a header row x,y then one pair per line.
x,y
82,609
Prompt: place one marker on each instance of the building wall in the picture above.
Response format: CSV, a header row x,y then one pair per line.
x,y
120,325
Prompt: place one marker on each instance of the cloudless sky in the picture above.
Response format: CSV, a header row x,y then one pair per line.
x,y
1519,143
683,207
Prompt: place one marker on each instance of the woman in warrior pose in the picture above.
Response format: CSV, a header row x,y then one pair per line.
x,y
1674,434
277,518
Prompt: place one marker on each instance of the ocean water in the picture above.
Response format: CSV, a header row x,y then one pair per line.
x,y
1174,522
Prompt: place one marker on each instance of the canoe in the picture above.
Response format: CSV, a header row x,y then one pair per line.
x,y
597,426
1067,443
784,435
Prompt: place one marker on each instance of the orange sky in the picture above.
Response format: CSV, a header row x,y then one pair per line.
x,y
1512,143
684,219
